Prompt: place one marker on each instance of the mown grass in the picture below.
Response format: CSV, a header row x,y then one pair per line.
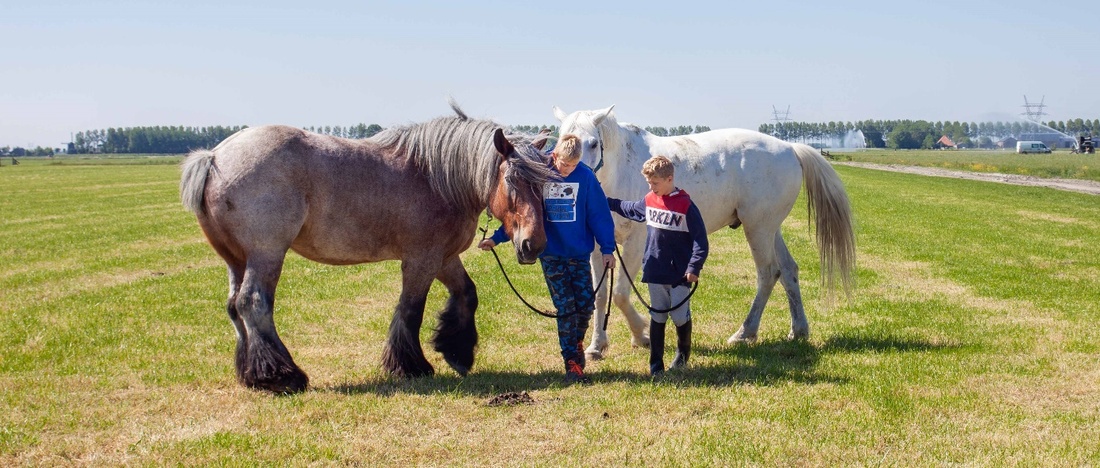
x,y
1061,164
970,339
98,160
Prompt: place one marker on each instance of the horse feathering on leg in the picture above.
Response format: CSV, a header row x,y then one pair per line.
x,y
410,193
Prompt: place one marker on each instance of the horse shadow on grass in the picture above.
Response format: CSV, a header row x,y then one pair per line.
x,y
764,363
483,383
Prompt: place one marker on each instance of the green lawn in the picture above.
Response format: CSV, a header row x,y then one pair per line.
x,y
1060,164
970,339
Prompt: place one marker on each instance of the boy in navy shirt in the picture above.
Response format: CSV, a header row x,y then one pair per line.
x,y
676,247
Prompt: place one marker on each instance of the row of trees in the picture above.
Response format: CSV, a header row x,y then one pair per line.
x,y
177,140
674,131
20,151
168,140
899,134
912,134
659,131
355,131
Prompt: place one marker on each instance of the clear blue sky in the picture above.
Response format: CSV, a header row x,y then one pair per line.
x,y
70,66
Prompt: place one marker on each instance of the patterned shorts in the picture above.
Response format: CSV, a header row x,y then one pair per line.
x,y
570,284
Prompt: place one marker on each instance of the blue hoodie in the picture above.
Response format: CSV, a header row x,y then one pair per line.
x,y
575,212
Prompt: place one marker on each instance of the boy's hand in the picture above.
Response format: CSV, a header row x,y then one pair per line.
x,y
691,278
609,261
486,244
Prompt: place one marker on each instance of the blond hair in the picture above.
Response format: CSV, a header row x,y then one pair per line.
x,y
568,148
658,166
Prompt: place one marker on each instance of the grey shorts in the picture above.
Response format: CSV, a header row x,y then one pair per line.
x,y
663,296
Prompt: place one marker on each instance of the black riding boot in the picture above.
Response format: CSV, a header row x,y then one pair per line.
x,y
683,346
656,347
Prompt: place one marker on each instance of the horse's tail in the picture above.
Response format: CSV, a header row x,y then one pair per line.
x,y
830,211
193,181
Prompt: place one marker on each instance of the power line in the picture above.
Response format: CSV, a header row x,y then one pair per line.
x,y
780,117
1034,111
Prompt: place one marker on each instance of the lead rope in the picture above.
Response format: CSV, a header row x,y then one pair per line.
x,y
630,278
484,233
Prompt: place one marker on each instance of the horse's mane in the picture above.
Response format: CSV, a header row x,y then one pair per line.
x,y
460,161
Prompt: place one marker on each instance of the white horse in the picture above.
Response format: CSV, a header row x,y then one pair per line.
x,y
737,178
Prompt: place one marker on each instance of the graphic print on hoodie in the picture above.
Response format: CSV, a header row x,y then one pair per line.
x,y
668,213
561,201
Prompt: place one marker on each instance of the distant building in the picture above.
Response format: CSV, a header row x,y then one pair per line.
x,y
945,142
1007,143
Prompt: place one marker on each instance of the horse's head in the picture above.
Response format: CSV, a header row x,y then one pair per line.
x,y
517,198
586,126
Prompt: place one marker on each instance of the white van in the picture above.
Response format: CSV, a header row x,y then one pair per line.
x,y
1031,147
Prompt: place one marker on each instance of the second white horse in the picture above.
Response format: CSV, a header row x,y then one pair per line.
x,y
737,178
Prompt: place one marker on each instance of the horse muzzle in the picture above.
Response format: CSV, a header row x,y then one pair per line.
x,y
527,251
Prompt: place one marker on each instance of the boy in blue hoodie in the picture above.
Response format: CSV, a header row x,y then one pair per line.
x,y
576,212
676,247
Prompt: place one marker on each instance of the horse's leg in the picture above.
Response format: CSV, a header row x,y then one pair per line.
x,y
788,275
598,346
633,249
456,335
266,364
402,355
236,277
762,246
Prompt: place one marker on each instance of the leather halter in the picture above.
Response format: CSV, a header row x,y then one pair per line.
x,y
599,137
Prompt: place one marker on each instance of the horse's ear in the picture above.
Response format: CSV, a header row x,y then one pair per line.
x,y
540,141
504,147
602,115
559,114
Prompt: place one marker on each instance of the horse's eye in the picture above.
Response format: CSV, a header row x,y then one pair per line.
x,y
592,144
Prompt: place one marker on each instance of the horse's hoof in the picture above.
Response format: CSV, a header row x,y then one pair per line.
x,y
741,338
798,336
458,365
412,373
642,342
596,350
291,381
411,368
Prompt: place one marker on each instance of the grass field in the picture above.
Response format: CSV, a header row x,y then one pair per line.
x,y
970,339
1060,164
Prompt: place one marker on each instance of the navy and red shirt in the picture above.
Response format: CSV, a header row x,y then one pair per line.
x,y
676,237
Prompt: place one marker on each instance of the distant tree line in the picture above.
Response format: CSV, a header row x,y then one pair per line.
x,y
19,151
916,134
674,131
359,131
154,140
898,134
659,131
178,140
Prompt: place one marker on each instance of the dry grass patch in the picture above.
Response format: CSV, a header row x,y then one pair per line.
x,y
1047,217
909,280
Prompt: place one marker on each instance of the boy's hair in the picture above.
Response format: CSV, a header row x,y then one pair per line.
x,y
568,148
658,166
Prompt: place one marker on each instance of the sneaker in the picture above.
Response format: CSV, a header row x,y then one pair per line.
x,y
575,374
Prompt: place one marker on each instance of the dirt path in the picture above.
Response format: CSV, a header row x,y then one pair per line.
x,y
1072,185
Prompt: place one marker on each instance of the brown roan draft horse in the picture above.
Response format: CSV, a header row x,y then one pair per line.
x,y
411,193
